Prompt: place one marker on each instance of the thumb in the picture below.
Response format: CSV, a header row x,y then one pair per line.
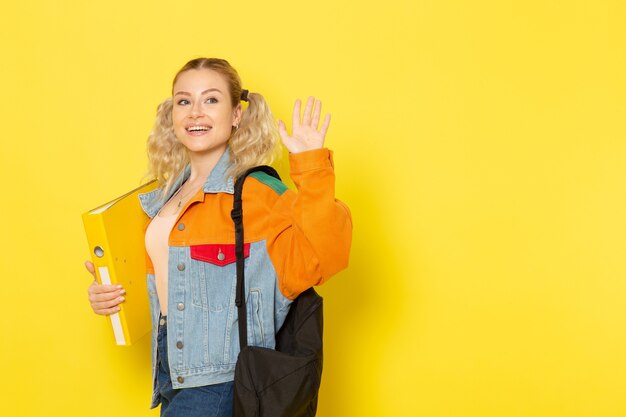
x,y
90,268
287,140
282,130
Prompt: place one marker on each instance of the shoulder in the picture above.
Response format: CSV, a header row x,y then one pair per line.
x,y
266,182
263,191
263,197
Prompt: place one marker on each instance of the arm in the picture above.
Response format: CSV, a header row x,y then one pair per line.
x,y
311,230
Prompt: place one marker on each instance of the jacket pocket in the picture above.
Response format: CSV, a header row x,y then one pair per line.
x,y
216,271
255,317
217,254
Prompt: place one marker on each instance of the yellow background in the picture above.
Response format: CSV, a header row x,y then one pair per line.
x,y
479,144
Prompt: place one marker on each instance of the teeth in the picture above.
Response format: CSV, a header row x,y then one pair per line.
x,y
197,128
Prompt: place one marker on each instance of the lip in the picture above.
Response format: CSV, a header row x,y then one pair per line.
x,y
206,129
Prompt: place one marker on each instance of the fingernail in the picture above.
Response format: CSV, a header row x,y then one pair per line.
x,y
118,286
122,292
121,298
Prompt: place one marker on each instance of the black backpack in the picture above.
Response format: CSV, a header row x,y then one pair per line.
x,y
282,382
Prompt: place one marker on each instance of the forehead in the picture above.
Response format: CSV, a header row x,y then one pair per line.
x,y
193,81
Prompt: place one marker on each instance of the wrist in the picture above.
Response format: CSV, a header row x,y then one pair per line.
x,y
308,160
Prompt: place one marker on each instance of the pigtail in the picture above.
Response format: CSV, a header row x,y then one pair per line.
x,y
255,141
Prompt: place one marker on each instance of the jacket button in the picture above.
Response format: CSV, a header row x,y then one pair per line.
x,y
180,306
162,322
179,345
180,379
181,226
181,266
221,256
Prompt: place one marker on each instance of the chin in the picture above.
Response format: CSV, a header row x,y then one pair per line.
x,y
200,149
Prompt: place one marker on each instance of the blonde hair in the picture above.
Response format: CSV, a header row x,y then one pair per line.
x,y
253,143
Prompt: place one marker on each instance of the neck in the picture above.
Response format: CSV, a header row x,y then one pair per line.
x,y
203,164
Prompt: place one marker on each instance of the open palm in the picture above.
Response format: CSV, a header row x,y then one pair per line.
x,y
305,135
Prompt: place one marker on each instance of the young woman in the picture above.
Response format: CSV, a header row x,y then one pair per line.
x,y
201,141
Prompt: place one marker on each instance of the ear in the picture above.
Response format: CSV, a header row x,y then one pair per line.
x,y
237,112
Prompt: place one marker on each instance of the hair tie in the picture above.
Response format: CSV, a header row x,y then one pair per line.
x,y
244,95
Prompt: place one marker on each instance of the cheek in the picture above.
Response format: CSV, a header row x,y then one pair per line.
x,y
177,118
229,117
223,119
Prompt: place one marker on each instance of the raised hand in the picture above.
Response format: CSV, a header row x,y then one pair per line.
x,y
305,135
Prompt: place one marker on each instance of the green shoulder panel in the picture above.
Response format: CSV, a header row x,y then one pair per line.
x,y
270,181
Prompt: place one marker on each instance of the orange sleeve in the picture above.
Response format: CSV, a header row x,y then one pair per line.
x,y
310,231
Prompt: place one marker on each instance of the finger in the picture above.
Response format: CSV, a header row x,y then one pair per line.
x,y
105,291
96,293
325,125
306,118
108,311
107,304
316,115
295,119
102,288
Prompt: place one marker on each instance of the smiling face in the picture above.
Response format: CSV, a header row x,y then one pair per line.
x,y
203,115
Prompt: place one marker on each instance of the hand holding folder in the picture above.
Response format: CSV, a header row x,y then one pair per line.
x,y
105,299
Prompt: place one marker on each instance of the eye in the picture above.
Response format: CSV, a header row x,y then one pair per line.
x,y
211,100
182,102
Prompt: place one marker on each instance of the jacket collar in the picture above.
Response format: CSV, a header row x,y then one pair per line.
x,y
216,182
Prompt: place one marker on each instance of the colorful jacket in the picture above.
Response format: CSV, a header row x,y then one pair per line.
x,y
292,241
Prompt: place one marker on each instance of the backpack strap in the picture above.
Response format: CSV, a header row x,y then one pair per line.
x,y
237,215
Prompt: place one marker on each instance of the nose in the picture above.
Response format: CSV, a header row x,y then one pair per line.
x,y
196,111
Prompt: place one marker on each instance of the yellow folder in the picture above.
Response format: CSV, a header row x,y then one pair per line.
x,y
115,232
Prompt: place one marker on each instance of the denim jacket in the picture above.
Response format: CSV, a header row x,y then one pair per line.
x,y
292,242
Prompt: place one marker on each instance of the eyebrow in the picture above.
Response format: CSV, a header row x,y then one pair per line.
x,y
204,92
